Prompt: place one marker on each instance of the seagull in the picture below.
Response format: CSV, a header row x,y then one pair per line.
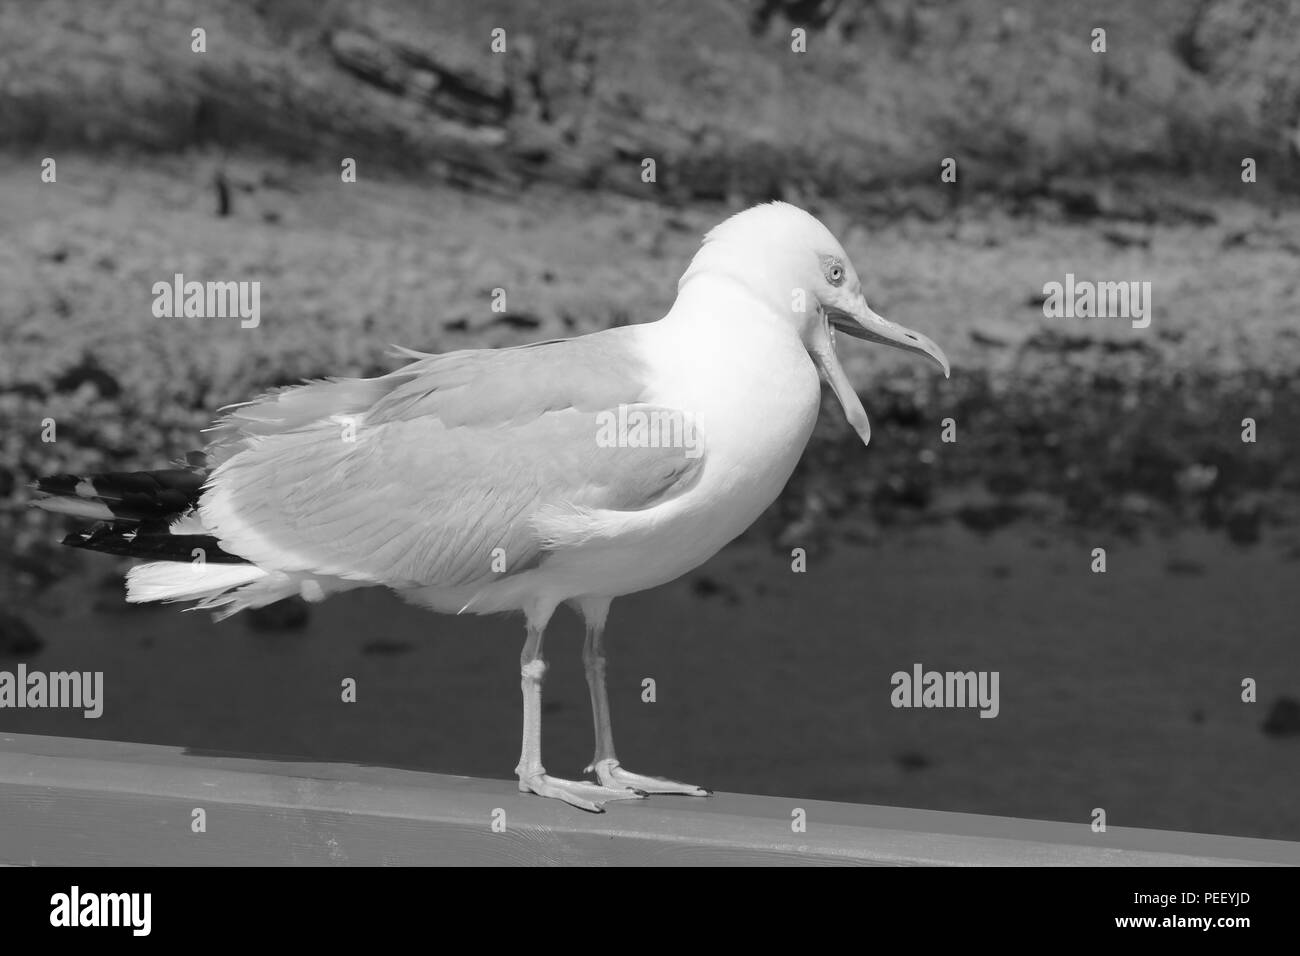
x,y
518,479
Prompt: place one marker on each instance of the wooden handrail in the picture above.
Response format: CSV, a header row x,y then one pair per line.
x,y
69,801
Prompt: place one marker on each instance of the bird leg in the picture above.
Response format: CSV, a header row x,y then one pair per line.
x,y
605,763
533,777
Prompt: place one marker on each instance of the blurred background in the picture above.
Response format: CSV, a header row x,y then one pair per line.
x,y
522,170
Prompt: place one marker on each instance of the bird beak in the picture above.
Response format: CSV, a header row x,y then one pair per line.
x,y
862,323
823,353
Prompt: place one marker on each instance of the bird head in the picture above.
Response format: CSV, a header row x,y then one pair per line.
x,y
791,261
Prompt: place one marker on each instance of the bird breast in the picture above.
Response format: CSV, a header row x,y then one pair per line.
x,y
752,393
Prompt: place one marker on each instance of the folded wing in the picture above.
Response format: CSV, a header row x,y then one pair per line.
x,y
418,477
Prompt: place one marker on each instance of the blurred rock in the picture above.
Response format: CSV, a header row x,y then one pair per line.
x,y
1196,479
382,648
707,587
518,320
40,564
1123,239
1184,566
1283,718
988,516
17,638
912,760
1136,504
89,371
988,334
1244,520
291,614
1007,484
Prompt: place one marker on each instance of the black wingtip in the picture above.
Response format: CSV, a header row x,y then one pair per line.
x,y
61,485
131,495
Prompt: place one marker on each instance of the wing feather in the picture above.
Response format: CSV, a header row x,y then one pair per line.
x,y
448,459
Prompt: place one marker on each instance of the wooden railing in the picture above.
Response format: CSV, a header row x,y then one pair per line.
x,y
87,802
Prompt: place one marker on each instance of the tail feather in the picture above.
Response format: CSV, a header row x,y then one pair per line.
x,y
76,507
124,495
157,543
154,515
139,514
274,586
173,581
224,589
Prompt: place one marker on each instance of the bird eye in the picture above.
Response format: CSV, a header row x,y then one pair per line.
x,y
834,273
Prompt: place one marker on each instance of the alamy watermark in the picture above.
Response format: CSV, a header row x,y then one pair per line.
x,y
1083,299
630,426
81,690
75,909
922,688
208,300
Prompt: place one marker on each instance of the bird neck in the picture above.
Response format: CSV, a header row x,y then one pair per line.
x,y
722,284
720,314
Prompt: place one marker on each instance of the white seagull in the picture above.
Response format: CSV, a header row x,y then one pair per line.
x,y
517,479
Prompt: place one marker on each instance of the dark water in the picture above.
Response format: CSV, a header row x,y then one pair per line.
x,y
1117,690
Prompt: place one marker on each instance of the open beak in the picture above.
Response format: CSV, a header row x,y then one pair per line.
x,y
865,324
862,323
